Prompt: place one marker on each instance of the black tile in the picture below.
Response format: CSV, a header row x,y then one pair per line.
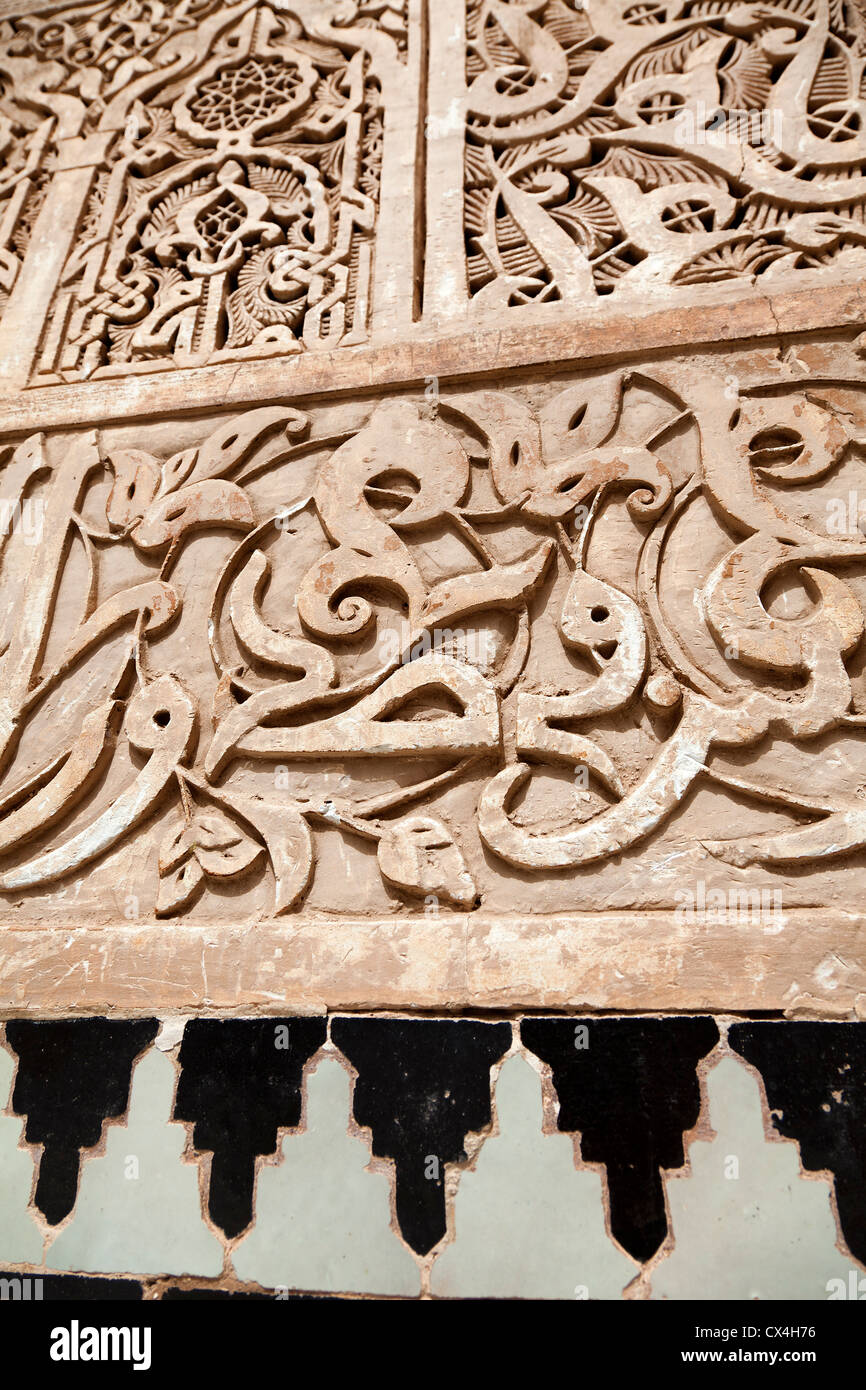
x,y
815,1078
240,1082
423,1085
72,1075
629,1087
63,1288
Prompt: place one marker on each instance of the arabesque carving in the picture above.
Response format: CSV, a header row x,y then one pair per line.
x,y
625,149
228,163
600,597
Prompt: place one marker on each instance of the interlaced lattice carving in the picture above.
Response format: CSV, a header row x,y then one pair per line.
x,y
239,211
72,62
23,180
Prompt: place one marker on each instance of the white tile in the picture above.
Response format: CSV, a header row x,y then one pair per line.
x,y
322,1221
528,1223
746,1223
145,1224
20,1238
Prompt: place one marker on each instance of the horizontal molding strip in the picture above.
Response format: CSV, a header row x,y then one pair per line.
x,y
589,338
812,965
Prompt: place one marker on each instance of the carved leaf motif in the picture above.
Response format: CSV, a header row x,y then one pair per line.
x,y
160,719
221,847
51,801
580,417
289,844
502,586
177,469
224,451
212,845
136,479
233,443
419,855
176,847
178,887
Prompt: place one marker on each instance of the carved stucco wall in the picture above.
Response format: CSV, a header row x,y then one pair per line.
x,y
433,464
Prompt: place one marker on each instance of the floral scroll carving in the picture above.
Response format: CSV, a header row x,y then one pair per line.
x,y
499,598
621,148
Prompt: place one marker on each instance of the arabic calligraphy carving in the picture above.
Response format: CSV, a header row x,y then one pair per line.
x,y
495,591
